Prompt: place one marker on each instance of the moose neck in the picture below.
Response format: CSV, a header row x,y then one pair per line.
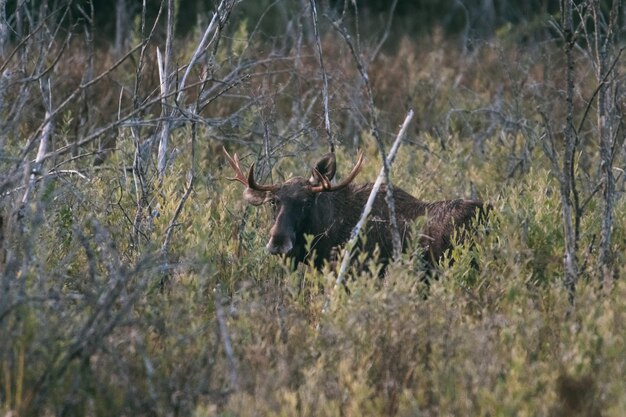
x,y
333,216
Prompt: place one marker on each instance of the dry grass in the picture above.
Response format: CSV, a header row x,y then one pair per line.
x,y
90,326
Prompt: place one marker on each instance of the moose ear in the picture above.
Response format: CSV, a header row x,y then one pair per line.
x,y
326,166
256,198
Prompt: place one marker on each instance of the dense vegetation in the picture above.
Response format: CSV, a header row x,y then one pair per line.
x,y
138,285
477,17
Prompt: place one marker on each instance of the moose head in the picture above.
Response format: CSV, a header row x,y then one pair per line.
x,y
295,203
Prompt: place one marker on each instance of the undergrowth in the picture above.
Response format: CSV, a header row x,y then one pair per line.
x,y
98,321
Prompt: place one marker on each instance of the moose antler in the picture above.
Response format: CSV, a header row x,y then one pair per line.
x,y
325,184
240,176
234,163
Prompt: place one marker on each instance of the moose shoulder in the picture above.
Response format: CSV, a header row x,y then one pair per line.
x,y
328,212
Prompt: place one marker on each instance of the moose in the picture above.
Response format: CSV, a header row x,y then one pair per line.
x,y
328,212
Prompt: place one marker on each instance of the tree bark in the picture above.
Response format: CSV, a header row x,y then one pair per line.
x,y
4,30
121,26
165,68
567,187
605,78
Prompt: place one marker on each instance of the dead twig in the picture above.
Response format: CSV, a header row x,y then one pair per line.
x,y
354,235
331,143
393,221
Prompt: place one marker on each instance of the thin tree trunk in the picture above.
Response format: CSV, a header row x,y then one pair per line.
x,y
44,142
331,144
605,132
567,182
121,26
4,30
164,73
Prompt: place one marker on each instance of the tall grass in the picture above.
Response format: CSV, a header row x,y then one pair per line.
x,y
95,322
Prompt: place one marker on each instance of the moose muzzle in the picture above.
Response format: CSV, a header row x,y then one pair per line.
x,y
280,244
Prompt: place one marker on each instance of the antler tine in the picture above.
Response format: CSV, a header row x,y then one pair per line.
x,y
324,181
325,185
259,187
355,171
234,163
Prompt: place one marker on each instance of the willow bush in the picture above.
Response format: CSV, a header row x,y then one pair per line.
x,y
96,318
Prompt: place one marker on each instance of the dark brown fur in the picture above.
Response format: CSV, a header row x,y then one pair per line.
x,y
330,218
301,209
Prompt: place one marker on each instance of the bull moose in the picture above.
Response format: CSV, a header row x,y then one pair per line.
x,y
328,212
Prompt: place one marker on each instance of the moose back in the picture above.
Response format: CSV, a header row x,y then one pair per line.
x,y
328,212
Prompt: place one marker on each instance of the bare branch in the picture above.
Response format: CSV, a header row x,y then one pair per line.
x,y
383,38
164,73
46,93
191,176
223,10
331,143
395,233
354,236
71,97
568,181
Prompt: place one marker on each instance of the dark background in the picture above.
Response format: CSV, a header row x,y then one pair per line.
x,y
474,18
